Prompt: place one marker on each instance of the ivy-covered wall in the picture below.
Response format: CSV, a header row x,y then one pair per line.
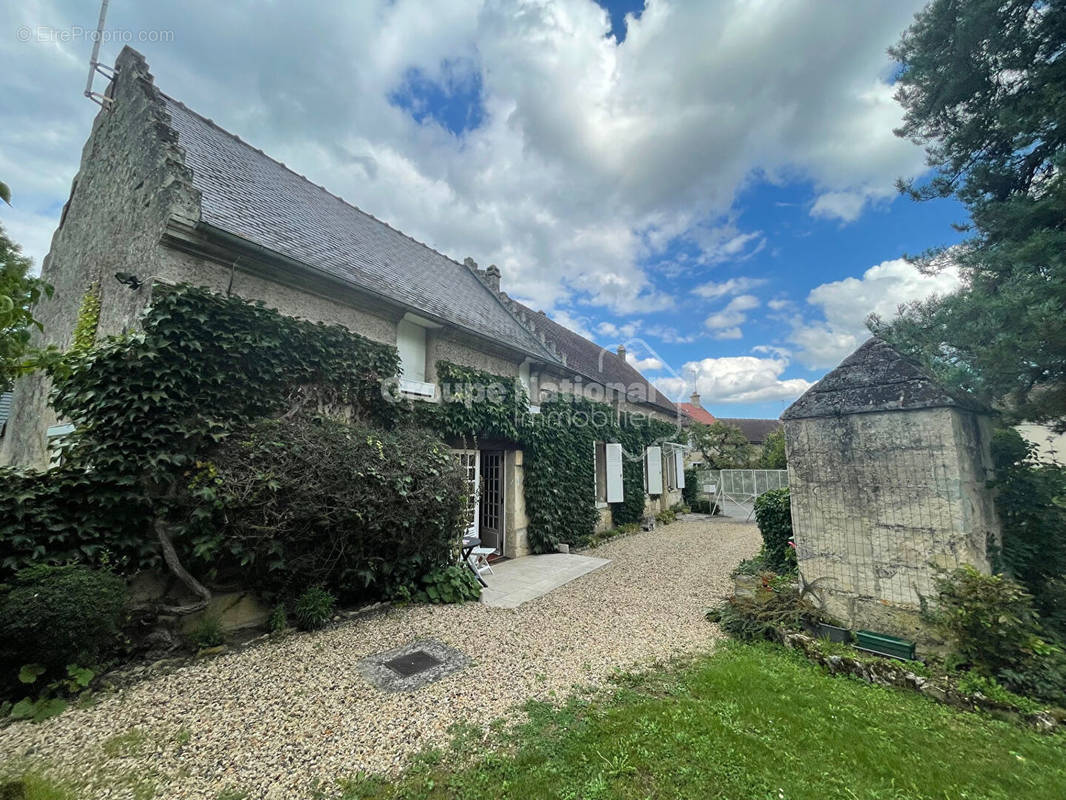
x,y
147,405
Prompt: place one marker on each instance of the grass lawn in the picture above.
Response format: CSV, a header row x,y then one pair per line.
x,y
750,721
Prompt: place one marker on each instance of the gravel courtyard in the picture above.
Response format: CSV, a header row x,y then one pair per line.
x,y
282,718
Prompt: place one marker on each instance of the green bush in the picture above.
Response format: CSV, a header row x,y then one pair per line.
x,y
451,584
776,604
691,493
992,626
773,514
314,608
305,501
207,633
55,616
1031,501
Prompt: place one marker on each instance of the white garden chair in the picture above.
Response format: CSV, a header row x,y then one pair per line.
x,y
479,559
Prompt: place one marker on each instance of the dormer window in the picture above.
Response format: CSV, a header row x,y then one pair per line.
x,y
411,344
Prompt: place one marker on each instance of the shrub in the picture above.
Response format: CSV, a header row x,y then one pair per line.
x,y
976,683
775,604
1029,500
55,616
992,626
452,584
314,608
207,633
691,493
279,619
666,516
773,514
307,501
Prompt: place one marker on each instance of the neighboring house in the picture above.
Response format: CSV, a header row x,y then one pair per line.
x,y
695,411
756,430
168,196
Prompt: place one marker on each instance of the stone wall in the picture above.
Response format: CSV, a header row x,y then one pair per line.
x,y
131,180
880,500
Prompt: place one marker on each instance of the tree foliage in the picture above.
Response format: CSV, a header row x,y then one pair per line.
x,y
983,85
722,446
773,451
19,292
1031,502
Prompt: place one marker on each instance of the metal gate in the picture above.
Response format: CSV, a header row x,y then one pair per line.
x,y
736,489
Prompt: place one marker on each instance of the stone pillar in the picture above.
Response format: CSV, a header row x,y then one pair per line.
x,y
516,537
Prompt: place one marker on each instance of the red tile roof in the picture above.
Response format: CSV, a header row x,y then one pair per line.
x,y
698,413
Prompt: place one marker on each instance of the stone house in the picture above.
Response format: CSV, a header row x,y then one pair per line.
x,y
889,475
165,196
754,430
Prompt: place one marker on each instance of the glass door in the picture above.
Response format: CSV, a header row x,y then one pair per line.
x,y
491,501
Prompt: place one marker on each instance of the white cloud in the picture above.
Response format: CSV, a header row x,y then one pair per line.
x,y
736,379
780,304
578,325
671,335
729,333
845,206
842,307
729,287
626,330
649,364
592,156
733,315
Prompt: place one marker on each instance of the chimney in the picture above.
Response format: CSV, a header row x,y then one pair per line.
x,y
622,352
492,277
694,398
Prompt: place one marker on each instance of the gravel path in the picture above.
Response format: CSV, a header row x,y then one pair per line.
x,y
279,719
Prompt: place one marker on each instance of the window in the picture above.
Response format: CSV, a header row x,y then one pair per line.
x,y
470,462
653,470
669,468
411,344
527,384
673,466
608,472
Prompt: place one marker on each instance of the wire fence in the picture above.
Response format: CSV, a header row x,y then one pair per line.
x,y
734,490
880,502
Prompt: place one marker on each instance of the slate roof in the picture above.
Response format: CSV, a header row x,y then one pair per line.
x,y
248,194
595,362
697,413
876,377
756,430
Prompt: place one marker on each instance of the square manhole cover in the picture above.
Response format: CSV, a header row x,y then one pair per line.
x,y
405,668
412,663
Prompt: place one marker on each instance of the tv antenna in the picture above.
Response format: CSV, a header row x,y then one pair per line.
x,y
94,63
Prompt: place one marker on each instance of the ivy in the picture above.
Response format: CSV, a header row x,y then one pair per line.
x,y
150,407
476,403
145,405
88,320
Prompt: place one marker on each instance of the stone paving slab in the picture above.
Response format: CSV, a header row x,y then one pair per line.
x,y
520,580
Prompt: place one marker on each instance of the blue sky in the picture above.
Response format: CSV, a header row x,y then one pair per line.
x,y
711,184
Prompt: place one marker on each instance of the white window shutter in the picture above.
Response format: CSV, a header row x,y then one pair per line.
x,y
679,466
411,344
653,469
614,472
